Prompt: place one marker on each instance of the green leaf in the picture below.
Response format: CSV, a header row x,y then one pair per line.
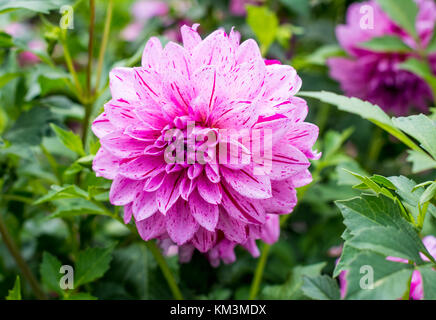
x,y
321,288
376,223
390,278
64,192
92,264
70,140
347,255
5,78
76,207
402,12
15,293
364,109
264,24
42,6
428,275
81,296
386,44
428,194
421,128
420,161
50,272
291,289
6,40
302,7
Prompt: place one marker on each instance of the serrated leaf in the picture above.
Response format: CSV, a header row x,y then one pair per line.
x,y
420,127
386,44
390,279
50,272
15,293
70,140
320,288
64,192
428,275
92,264
364,109
402,12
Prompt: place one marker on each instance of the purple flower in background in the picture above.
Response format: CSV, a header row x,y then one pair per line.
x,y
142,11
237,7
416,287
375,76
205,144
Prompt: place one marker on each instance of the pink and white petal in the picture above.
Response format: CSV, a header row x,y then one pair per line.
x,y
301,178
127,213
242,208
142,167
215,50
234,38
212,172
247,184
144,205
122,146
151,118
123,190
177,59
105,164
101,126
152,55
120,113
210,192
236,114
303,136
233,229
154,183
180,224
287,161
204,240
169,192
190,37
271,229
205,214
152,227
122,84
247,80
284,197
247,51
250,246
186,187
281,81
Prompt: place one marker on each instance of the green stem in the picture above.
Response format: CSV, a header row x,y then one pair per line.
x,y
375,148
258,274
25,270
169,277
70,66
107,26
90,46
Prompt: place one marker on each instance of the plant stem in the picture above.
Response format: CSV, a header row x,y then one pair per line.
x,y
165,269
70,66
25,270
107,26
172,283
258,274
255,286
90,46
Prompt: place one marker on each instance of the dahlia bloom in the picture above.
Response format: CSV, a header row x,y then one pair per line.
x,y
375,76
205,144
416,287
143,11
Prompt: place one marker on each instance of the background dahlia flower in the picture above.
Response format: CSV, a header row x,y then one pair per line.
x,y
416,287
220,85
375,76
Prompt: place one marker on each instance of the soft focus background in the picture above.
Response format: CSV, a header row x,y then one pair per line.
x,y
36,91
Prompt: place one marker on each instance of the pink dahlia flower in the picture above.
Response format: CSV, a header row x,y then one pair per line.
x,y
375,76
205,144
416,287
